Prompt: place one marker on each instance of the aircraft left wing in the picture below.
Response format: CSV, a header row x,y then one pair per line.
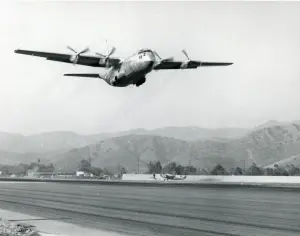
x,y
60,57
164,65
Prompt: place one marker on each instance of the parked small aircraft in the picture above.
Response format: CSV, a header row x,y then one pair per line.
x,y
122,72
172,177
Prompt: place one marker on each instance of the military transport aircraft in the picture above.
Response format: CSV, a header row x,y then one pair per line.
x,y
122,72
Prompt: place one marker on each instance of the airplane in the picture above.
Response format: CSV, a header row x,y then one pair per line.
x,y
172,177
122,72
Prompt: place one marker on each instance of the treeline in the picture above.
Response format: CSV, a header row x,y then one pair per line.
x,y
156,167
86,166
174,168
22,169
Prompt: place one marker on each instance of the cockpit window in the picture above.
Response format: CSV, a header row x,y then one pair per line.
x,y
144,51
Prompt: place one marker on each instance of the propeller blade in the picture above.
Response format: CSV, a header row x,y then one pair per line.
x,y
99,54
84,51
185,53
71,49
156,54
112,51
169,59
103,56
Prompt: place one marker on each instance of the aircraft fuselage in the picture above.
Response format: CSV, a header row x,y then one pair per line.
x,y
132,70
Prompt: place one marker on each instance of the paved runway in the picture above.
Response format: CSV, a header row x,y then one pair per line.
x,y
161,210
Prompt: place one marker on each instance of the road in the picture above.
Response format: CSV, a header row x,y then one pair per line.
x,y
160,210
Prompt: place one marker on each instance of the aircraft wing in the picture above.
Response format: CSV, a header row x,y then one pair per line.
x,y
60,57
165,65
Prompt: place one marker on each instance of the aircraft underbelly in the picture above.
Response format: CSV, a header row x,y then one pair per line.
x,y
131,78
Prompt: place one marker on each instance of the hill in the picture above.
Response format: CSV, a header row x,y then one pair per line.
x,y
293,160
272,123
194,133
264,147
65,140
271,144
133,150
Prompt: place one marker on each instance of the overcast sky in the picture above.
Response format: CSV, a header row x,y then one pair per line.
x,y
262,39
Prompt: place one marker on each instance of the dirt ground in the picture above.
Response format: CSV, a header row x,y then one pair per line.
x,y
17,229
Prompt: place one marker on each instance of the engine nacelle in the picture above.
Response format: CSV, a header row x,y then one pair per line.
x,y
120,76
184,65
104,62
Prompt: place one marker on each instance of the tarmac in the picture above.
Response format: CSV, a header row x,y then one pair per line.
x,y
157,209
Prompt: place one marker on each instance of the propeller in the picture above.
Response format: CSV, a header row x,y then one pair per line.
x,y
186,63
166,59
185,53
156,54
106,57
74,58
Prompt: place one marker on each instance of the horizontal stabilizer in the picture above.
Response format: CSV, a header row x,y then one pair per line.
x,y
84,75
216,63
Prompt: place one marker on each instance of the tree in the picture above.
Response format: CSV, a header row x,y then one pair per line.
x,y
254,170
218,170
150,167
84,165
202,172
154,167
179,169
170,168
189,170
95,171
106,172
294,170
158,167
123,170
280,171
238,171
44,168
269,171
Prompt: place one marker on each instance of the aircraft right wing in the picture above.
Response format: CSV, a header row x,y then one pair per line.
x,y
169,63
164,65
67,58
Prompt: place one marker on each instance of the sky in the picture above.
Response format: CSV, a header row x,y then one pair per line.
x,y
260,38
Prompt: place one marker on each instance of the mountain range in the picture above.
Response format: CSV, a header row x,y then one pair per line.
x,y
272,142
64,140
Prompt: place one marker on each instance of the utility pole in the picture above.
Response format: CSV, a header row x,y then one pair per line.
x,y
138,164
244,163
190,166
89,159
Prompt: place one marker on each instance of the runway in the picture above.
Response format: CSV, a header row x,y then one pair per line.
x,y
160,210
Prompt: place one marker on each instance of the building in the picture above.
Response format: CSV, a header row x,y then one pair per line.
x,y
32,173
84,174
35,173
